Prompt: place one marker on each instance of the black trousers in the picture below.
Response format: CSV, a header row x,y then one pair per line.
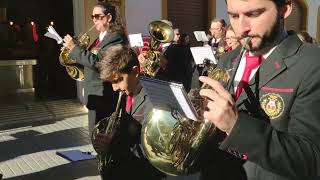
x,y
128,166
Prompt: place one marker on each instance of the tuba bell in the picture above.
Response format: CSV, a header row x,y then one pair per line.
x,y
173,142
75,70
160,32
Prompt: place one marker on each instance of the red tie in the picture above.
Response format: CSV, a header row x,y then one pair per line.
x,y
95,44
252,62
129,103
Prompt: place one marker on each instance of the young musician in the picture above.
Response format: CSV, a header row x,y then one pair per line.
x,y
270,114
120,66
100,99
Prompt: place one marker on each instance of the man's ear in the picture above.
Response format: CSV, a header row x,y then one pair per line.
x,y
286,9
136,70
109,18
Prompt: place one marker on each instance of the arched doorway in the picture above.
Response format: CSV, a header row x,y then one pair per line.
x,y
297,21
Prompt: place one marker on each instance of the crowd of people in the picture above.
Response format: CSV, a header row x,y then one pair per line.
x,y
266,116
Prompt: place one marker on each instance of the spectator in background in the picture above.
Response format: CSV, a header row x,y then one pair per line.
x,y
232,42
176,35
217,30
216,41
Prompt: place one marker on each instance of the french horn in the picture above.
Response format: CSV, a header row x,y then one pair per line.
x,y
74,70
170,141
107,126
173,142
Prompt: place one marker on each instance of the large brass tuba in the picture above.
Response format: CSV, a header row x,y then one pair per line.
x,y
160,32
172,142
74,70
108,126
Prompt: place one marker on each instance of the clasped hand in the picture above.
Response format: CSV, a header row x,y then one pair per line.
x,y
102,142
220,108
68,42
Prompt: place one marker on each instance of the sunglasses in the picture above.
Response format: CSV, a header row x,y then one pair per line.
x,y
97,16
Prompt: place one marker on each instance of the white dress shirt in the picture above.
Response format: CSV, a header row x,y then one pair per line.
x,y
101,35
242,66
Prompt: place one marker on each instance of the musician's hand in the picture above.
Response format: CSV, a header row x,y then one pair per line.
x,y
142,60
102,142
163,62
142,57
221,109
68,42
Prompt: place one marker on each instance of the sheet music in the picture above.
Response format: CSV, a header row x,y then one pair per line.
x,y
135,40
201,36
52,33
201,53
168,95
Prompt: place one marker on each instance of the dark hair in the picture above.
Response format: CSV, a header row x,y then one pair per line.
x,y
116,22
117,59
182,39
108,9
306,36
279,3
220,20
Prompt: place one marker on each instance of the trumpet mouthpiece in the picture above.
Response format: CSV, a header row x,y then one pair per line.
x,y
247,40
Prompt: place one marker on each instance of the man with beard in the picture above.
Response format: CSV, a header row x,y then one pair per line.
x,y
269,110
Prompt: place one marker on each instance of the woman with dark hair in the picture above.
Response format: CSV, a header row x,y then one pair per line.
x,y
99,96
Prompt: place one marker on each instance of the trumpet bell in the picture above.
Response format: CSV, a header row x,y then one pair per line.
x,y
172,144
74,70
64,57
161,31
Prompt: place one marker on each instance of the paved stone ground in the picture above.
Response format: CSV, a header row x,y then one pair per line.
x,y
31,134
29,151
